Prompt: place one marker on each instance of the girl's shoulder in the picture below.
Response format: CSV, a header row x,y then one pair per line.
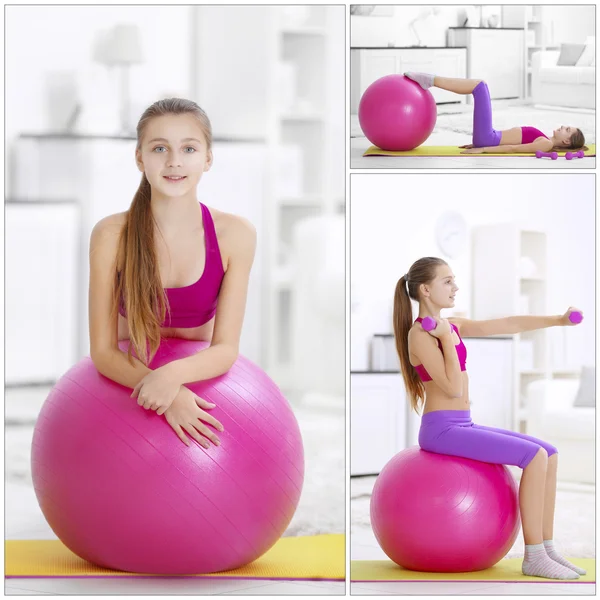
x,y
229,226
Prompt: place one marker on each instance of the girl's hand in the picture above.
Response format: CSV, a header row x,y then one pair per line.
x,y
156,391
466,146
472,150
442,328
565,318
186,415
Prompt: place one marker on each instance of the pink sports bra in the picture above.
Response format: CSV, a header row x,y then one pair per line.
x,y
196,304
530,134
461,350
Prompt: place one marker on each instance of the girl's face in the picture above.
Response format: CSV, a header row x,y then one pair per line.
x,y
563,134
174,145
442,289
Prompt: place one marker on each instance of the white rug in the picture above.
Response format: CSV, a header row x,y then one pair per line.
x,y
574,521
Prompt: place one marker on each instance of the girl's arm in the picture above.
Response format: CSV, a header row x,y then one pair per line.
x,y
444,369
223,350
509,325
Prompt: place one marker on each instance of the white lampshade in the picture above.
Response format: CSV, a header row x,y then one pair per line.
x,y
120,45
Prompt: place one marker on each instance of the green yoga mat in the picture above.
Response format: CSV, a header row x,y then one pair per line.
x,y
506,570
456,151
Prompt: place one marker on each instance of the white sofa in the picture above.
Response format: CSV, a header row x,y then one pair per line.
x,y
552,417
573,87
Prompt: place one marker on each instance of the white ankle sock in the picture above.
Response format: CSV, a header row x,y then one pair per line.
x,y
538,564
554,555
425,80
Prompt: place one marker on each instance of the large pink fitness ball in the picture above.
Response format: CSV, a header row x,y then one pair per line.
x,y
396,113
444,514
121,490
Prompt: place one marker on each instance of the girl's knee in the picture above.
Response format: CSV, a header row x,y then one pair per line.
x,y
539,458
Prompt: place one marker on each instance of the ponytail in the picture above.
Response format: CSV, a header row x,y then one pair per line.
x,y
402,324
421,272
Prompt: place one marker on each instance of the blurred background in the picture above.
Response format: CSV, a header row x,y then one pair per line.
x,y
538,60
517,244
271,79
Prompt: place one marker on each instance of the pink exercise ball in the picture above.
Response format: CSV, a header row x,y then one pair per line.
x,y
396,113
121,490
444,514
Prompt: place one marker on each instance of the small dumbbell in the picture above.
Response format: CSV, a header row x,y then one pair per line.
x,y
540,154
572,155
430,323
574,317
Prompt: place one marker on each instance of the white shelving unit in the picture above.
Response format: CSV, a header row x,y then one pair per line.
x,y
308,56
531,18
517,258
282,82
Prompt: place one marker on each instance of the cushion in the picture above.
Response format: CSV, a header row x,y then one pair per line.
x,y
568,75
587,56
569,54
586,395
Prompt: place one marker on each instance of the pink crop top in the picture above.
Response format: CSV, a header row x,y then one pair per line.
x,y
530,134
461,350
196,304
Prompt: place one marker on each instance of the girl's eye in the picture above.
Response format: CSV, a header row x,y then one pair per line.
x,y
194,149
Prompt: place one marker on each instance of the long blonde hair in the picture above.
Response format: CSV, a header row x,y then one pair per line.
x,y
422,271
137,282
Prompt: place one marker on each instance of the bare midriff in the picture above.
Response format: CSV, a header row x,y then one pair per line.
x,y
436,399
512,136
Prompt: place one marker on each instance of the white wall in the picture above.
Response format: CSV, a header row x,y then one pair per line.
x,y
566,23
392,224
379,31
40,39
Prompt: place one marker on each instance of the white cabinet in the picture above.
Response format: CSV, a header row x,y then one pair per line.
x,y
494,55
369,64
40,297
378,420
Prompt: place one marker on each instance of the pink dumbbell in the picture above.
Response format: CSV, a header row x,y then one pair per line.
x,y
572,155
540,154
429,323
574,317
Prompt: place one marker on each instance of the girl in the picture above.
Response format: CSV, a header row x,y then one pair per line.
x,y
485,137
170,254
433,366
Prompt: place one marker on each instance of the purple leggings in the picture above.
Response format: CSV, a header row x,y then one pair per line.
x,y
483,132
453,432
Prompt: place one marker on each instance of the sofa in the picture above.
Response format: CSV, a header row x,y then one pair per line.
x,y
568,86
552,417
